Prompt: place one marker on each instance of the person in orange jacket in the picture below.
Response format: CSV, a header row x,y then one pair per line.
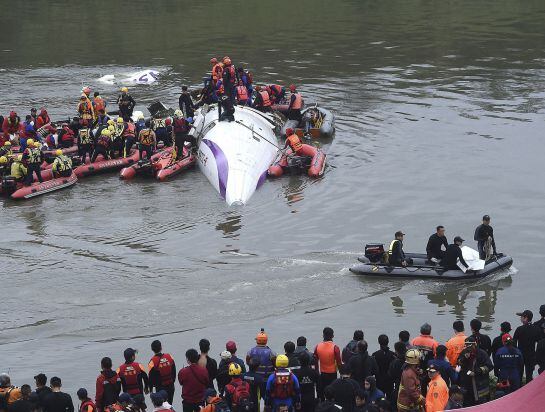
x,y
425,342
437,396
294,142
327,357
456,344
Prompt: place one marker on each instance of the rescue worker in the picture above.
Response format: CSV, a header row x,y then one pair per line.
x,y
8,393
162,371
129,138
509,364
396,255
5,166
185,103
437,245
277,93
296,105
226,109
474,374
102,145
65,136
85,110
456,344
263,354
125,403
437,394
484,235
33,157
262,100
456,398
42,119
99,105
213,402
147,141
181,129
327,357
282,387
5,150
33,114
86,404
229,78
134,379
11,128
425,342
126,104
117,138
140,124
409,398
102,119
293,142
525,337
242,94
246,78
85,144
217,71
108,386
453,255
237,392
62,165
309,379
159,126
18,169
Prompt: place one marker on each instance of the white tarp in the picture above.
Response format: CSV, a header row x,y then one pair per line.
x,y
471,257
142,77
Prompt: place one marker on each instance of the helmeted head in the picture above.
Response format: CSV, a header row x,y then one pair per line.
x,y
119,120
105,132
168,121
111,128
235,369
289,131
13,114
432,371
282,361
178,113
30,142
293,88
43,111
141,116
412,357
3,160
8,143
58,152
37,144
110,122
213,60
19,158
189,120
261,338
86,90
124,90
83,96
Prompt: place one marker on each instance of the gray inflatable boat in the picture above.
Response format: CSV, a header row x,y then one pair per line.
x,y
324,127
423,269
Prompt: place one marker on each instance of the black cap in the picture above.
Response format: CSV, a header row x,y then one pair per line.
x,y
55,381
527,314
486,217
458,239
399,233
41,378
82,393
505,327
542,310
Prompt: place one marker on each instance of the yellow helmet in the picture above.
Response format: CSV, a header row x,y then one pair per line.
x,y
111,128
106,132
3,159
282,361
20,158
235,369
119,120
30,142
178,113
8,143
412,357
110,121
37,144
58,152
124,90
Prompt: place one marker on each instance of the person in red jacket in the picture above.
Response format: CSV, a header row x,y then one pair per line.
x,y
162,371
11,125
194,381
134,379
42,119
108,386
87,405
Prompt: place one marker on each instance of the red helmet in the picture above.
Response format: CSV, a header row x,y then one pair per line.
x,y
86,90
168,121
289,131
292,88
43,112
12,114
213,60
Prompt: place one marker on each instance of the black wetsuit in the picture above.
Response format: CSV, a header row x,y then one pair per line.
x,y
126,106
186,104
526,337
228,109
482,233
434,247
453,253
398,255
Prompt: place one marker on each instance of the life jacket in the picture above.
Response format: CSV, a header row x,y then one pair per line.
x,y
283,386
130,130
85,109
276,89
99,104
84,136
240,392
86,404
294,142
181,125
129,372
13,124
9,396
41,121
298,102
157,124
264,354
116,407
62,163
164,364
217,72
18,171
326,353
34,155
265,97
146,137
242,93
118,131
391,248
232,74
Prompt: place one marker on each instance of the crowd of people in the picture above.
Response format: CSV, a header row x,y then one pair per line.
x,y
420,374
97,133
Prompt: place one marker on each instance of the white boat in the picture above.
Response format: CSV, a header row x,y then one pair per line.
x,y
235,156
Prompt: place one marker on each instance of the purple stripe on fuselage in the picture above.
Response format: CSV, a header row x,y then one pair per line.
x,y
261,179
221,164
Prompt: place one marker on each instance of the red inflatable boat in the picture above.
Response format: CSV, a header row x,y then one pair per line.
x,y
161,165
310,158
102,166
37,189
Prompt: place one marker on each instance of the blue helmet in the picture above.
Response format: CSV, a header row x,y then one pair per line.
x,y
189,120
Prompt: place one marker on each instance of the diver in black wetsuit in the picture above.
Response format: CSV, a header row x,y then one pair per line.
x,y
483,233
453,253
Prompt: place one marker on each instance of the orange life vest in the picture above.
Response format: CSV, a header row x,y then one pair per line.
x,y
85,109
295,143
298,102
147,137
265,97
242,93
130,130
99,104
217,72
325,350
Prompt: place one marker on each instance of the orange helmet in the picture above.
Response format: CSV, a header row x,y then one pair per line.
x,y
261,338
86,90
227,61
213,60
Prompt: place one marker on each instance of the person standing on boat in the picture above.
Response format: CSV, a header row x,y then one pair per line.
x,y
437,245
262,100
484,235
33,157
126,104
242,94
185,103
296,104
453,254
62,165
147,141
396,255
228,112
229,78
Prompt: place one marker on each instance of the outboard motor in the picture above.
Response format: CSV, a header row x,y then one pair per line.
x,y
9,185
374,252
298,164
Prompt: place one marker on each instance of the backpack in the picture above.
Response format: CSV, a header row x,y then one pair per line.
x,y
283,385
241,397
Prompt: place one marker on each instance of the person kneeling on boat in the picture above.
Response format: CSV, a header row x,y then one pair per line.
x,y
228,112
396,255
33,157
294,142
62,165
18,170
147,141
453,253
102,145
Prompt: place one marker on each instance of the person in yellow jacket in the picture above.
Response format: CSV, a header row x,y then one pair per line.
x,y
18,170
5,167
62,165
437,396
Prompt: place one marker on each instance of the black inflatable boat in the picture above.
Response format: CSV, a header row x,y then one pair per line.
x,y
373,265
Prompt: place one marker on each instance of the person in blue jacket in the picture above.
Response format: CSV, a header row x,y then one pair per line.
x,y
283,390
509,364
